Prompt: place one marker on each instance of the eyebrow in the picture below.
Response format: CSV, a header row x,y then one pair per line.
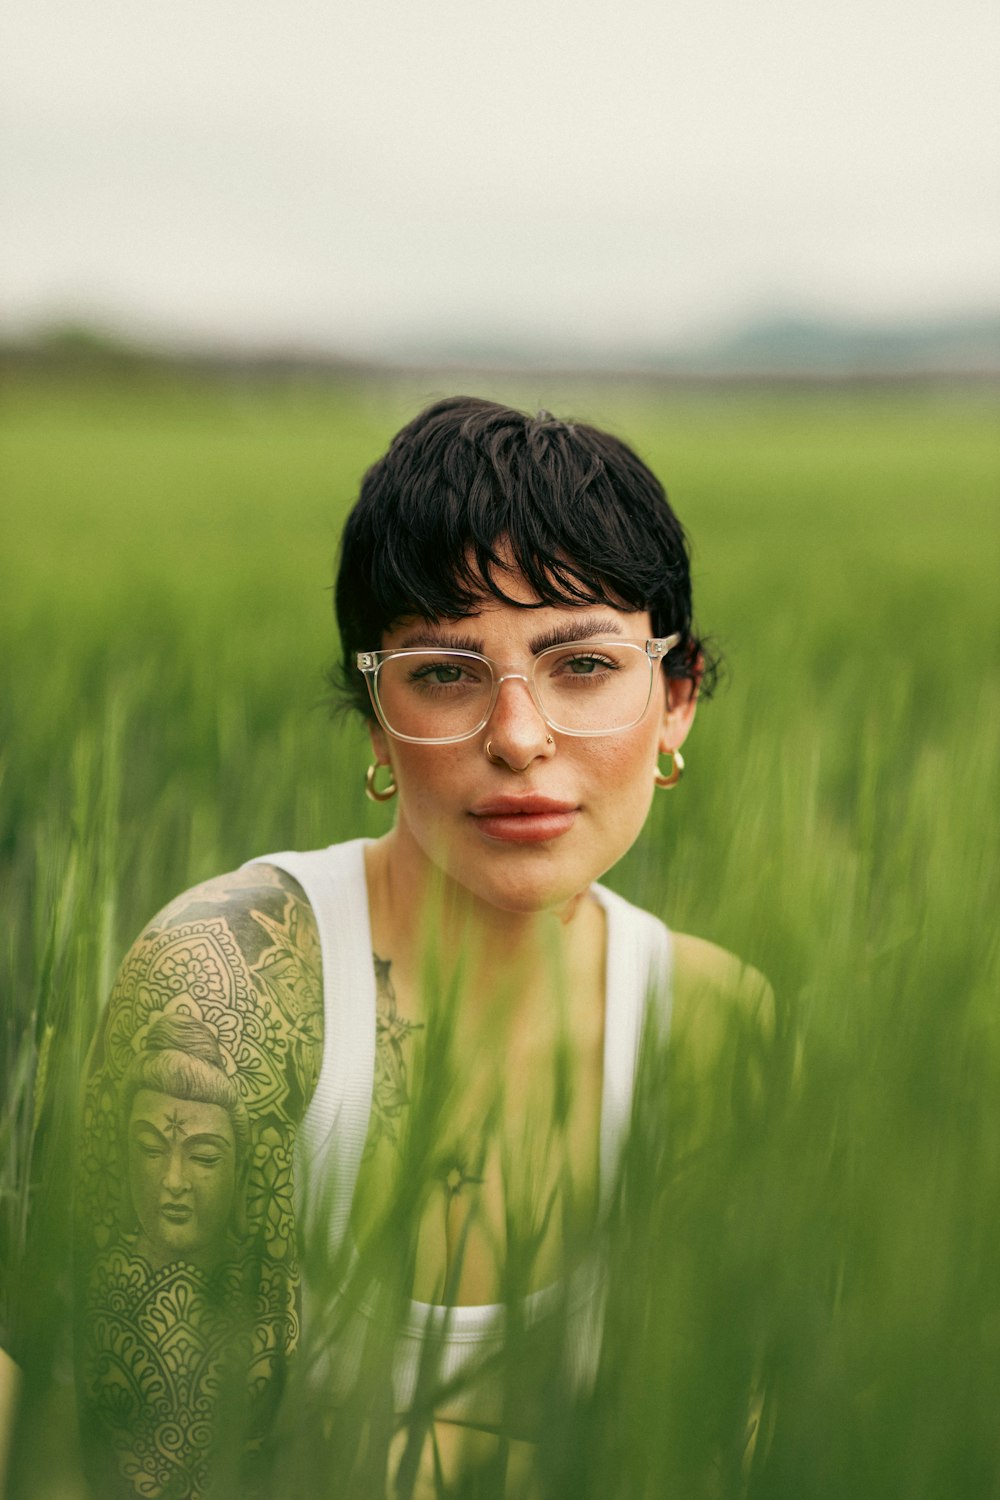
x,y
146,1127
579,630
438,641
209,1140
558,635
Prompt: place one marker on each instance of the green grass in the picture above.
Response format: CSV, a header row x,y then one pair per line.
x,y
835,1245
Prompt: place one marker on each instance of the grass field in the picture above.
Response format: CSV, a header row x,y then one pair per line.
x,y
165,624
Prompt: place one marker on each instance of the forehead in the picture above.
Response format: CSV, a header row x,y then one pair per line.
x,y
172,1116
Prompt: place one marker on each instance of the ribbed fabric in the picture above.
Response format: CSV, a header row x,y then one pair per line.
x,y
333,1132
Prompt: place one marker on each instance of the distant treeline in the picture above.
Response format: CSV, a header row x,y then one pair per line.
x,y
771,349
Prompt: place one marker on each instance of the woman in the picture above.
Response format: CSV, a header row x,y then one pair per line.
x,y
442,1023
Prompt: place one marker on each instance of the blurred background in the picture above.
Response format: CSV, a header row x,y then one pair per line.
x,y
243,245
668,187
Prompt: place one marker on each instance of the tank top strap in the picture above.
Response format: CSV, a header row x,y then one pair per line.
x,y
639,975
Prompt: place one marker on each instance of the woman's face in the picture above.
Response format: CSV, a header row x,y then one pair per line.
x,y
473,817
182,1175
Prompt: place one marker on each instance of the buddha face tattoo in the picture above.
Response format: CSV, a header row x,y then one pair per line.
x,y
182,1177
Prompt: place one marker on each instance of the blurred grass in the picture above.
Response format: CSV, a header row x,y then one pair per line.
x,y
833,1244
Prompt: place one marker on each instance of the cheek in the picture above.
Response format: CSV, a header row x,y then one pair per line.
x,y
623,781
145,1172
429,780
626,764
632,787
214,1198
145,1176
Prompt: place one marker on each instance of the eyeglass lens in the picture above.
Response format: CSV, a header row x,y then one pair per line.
x,y
586,687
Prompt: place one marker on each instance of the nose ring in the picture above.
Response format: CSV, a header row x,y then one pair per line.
x,y
498,760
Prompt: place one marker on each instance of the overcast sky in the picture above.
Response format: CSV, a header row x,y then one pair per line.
x,y
365,173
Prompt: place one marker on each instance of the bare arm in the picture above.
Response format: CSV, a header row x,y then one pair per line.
x,y
713,989
187,1275
10,1379
724,1038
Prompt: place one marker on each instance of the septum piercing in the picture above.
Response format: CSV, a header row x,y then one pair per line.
x,y
498,760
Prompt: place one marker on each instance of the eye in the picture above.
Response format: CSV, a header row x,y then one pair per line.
x,y
438,673
207,1159
445,672
584,664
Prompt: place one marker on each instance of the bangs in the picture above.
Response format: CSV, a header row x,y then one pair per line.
x,y
451,586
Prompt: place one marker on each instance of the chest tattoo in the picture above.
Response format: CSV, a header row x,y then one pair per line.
x,y
392,1033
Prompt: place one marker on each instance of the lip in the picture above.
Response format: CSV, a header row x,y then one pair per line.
x,y
523,804
176,1213
524,819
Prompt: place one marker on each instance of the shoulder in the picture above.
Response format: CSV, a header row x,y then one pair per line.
x,y
239,954
705,966
716,994
236,895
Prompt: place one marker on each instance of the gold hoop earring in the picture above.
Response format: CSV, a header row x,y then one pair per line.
x,y
379,794
676,771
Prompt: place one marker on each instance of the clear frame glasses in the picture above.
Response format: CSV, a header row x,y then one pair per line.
x,y
435,697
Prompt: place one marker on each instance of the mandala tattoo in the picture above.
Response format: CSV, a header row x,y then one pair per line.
x,y
188,1285
391,1092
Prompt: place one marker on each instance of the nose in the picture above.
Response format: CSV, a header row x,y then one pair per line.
x,y
174,1179
516,731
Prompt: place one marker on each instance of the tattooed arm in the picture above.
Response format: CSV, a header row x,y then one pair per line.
x,y
187,1278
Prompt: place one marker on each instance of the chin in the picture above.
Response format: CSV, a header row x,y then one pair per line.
x,y
525,887
522,879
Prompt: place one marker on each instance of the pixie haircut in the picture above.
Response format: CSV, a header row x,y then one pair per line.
x,y
469,488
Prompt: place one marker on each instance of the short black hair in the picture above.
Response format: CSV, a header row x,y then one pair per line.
x,y
469,487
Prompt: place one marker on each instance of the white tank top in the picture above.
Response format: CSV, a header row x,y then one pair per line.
x,y
333,1132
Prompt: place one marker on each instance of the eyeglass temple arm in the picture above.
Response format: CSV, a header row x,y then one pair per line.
x,y
657,648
